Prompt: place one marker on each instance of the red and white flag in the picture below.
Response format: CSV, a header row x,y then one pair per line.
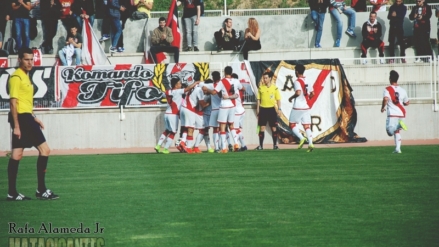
x,y
92,51
172,22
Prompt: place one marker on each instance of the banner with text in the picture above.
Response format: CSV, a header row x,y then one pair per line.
x,y
123,84
44,86
333,114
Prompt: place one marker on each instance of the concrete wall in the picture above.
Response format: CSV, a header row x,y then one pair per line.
x,y
290,35
80,129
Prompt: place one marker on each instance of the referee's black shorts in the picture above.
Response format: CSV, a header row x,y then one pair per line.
x,y
31,134
267,115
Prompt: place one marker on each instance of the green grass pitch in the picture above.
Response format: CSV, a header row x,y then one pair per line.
x,y
330,197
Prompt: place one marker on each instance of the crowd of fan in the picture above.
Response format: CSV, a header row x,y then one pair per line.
x,y
72,12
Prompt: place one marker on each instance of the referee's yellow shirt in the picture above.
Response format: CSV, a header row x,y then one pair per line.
x,y
21,88
268,96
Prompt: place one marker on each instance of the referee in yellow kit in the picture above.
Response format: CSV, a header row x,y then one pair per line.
x,y
268,96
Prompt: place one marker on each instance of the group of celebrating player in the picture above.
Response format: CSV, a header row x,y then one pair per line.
x,y
216,103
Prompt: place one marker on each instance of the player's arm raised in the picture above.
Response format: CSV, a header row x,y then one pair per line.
x,y
191,86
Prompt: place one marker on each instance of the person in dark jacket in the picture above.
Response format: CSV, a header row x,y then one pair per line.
x,y
372,32
5,11
420,15
396,17
226,38
84,9
50,12
318,12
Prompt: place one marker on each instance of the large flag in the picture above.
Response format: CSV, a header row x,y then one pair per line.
x,y
172,22
92,52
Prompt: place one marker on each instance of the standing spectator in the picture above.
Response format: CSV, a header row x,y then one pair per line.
x,y
124,15
143,9
396,16
161,40
83,9
337,8
5,10
20,12
379,5
421,15
267,98
395,98
301,110
226,38
437,15
359,5
114,9
191,17
67,18
318,12
50,12
372,32
26,129
73,46
105,27
252,37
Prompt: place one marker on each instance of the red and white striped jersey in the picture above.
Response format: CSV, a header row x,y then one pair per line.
x,y
228,86
192,99
175,99
301,102
397,96
215,100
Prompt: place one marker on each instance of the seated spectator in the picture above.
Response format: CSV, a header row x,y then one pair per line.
x,y
318,12
252,37
67,18
73,47
161,40
337,8
372,32
379,5
143,9
359,5
20,10
226,38
83,9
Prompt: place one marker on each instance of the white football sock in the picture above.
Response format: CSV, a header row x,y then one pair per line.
x,y
309,136
297,132
397,137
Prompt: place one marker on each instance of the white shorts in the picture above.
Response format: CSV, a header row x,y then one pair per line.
x,y
171,122
239,120
392,125
300,116
226,115
213,121
189,118
199,122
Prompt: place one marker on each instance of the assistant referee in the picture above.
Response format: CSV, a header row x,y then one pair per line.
x,y
268,96
26,129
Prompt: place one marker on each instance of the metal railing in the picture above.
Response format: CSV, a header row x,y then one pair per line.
x,y
207,13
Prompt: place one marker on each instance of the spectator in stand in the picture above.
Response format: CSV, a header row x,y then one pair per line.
x,y
421,15
359,5
84,9
396,16
318,12
114,10
50,12
5,10
67,18
372,32
124,15
73,46
1,45
379,5
161,40
143,9
337,8
105,27
226,37
191,17
252,37
437,15
20,12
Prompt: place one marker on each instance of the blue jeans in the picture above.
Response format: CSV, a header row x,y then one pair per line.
x,y
91,19
22,28
351,20
318,19
116,30
62,57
